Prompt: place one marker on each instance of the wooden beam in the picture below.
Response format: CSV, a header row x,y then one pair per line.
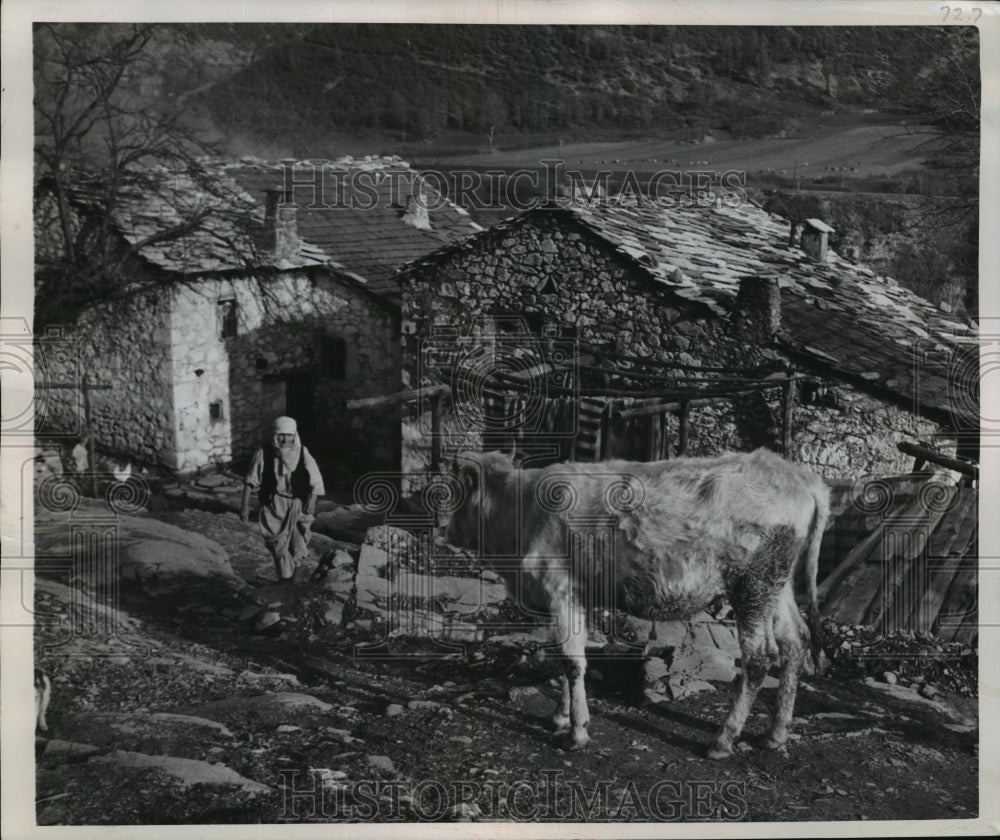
x,y
647,408
788,408
958,617
77,386
508,382
948,552
651,437
664,407
868,551
604,431
400,397
646,362
964,467
684,428
435,432
88,425
676,400
905,544
662,377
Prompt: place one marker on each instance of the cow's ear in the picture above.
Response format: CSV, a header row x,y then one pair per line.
x,y
468,474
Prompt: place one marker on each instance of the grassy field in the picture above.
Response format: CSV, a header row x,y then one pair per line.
x,y
832,153
846,152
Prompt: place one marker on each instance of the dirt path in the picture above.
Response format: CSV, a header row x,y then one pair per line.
x,y
189,717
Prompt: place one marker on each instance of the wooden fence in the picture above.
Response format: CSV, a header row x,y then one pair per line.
x,y
917,569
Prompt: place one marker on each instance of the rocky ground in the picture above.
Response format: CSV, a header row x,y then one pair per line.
x,y
409,691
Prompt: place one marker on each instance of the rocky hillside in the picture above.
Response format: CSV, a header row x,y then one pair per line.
x,y
389,691
293,87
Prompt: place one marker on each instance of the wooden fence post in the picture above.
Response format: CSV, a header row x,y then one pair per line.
x,y
651,437
88,425
605,431
788,405
683,428
436,433
571,425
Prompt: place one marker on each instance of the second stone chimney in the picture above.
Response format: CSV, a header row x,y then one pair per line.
x,y
416,213
758,309
814,239
281,236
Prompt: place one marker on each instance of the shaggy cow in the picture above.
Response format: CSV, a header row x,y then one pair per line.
x,y
675,535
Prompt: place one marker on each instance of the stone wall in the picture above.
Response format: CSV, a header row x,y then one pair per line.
x,y
124,343
556,273
558,276
276,364
553,271
171,370
858,437
855,438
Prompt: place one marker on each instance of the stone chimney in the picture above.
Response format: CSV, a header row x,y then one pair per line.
x,y
281,238
758,309
814,239
416,213
793,239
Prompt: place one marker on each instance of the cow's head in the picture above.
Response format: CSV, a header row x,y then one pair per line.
x,y
462,523
470,476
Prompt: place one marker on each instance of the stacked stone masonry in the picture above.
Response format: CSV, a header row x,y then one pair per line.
x,y
186,398
561,278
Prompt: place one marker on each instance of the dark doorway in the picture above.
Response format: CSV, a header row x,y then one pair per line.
x,y
300,403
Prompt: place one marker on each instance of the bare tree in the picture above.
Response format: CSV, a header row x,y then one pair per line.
x,y
946,95
96,137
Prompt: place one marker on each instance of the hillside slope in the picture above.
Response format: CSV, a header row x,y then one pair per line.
x,y
426,82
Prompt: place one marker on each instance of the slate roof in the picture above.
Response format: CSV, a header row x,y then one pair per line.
x,y
837,315
372,240
369,243
227,235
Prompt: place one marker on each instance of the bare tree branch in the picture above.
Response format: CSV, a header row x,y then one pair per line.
x,y
94,138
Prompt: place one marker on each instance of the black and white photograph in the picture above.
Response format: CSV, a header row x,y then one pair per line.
x,y
512,417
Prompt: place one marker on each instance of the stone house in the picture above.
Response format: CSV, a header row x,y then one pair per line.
x,y
692,307
262,308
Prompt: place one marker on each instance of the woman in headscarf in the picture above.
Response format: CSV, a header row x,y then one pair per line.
x,y
287,481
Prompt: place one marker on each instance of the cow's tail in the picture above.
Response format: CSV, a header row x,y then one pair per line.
x,y
810,559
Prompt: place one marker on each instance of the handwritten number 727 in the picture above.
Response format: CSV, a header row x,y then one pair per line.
x,y
955,13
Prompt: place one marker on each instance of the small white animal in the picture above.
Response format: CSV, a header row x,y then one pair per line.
x,y
122,473
43,693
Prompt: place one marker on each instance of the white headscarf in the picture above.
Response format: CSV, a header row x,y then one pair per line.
x,y
289,454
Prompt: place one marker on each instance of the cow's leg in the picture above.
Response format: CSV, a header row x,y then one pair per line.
x,y
575,666
561,719
753,649
579,714
572,630
772,645
789,630
571,637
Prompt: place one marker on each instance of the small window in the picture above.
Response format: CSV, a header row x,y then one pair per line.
x,y
227,318
215,411
333,357
551,285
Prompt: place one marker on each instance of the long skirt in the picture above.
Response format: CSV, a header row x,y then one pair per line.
x,y
285,536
